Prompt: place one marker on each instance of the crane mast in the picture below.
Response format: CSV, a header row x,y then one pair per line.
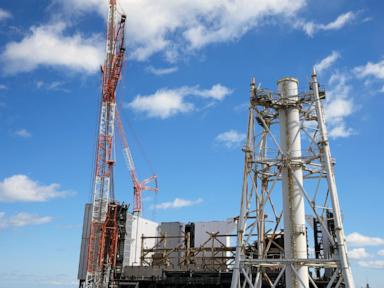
x,y
101,255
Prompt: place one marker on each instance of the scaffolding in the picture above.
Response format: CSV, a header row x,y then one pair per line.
x,y
212,255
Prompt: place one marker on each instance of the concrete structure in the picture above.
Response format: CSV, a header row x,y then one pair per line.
x,y
176,231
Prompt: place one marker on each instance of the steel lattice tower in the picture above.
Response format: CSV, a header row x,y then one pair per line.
x,y
101,256
289,190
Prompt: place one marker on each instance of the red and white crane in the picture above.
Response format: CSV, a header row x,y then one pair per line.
x,y
102,241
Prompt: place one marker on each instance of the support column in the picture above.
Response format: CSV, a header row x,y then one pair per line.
x,y
328,166
295,241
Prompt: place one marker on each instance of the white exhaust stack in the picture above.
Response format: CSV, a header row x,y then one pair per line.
x,y
295,241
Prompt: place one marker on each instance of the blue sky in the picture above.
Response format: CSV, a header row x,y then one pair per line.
x,y
184,93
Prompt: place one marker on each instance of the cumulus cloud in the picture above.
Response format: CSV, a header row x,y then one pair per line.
x,y
230,139
217,92
178,203
358,253
375,70
381,253
47,45
185,25
20,188
356,238
310,28
23,133
4,15
165,103
339,105
22,219
374,264
162,71
327,62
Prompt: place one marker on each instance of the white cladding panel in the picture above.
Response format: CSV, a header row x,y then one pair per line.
x,y
136,227
223,227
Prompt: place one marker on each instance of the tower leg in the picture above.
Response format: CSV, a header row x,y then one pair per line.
x,y
328,167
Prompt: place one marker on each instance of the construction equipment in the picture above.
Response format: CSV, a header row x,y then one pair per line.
x,y
103,238
138,186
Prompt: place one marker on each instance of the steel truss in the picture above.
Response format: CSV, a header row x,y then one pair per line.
x,y
271,167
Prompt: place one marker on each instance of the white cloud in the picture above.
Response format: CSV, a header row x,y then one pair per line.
x,y
340,21
184,25
230,139
310,28
374,264
54,85
51,86
217,92
3,87
339,105
358,253
23,133
162,71
340,130
375,70
362,240
22,219
165,103
22,188
381,253
178,203
4,15
327,62
47,45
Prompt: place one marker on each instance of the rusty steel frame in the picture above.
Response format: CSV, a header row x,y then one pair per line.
x,y
207,256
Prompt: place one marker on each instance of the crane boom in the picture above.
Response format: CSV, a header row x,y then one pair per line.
x,y
138,187
100,256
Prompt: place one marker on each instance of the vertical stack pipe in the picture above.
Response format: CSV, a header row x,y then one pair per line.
x,y
295,240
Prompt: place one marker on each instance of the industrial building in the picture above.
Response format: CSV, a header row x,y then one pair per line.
x,y
166,253
289,230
